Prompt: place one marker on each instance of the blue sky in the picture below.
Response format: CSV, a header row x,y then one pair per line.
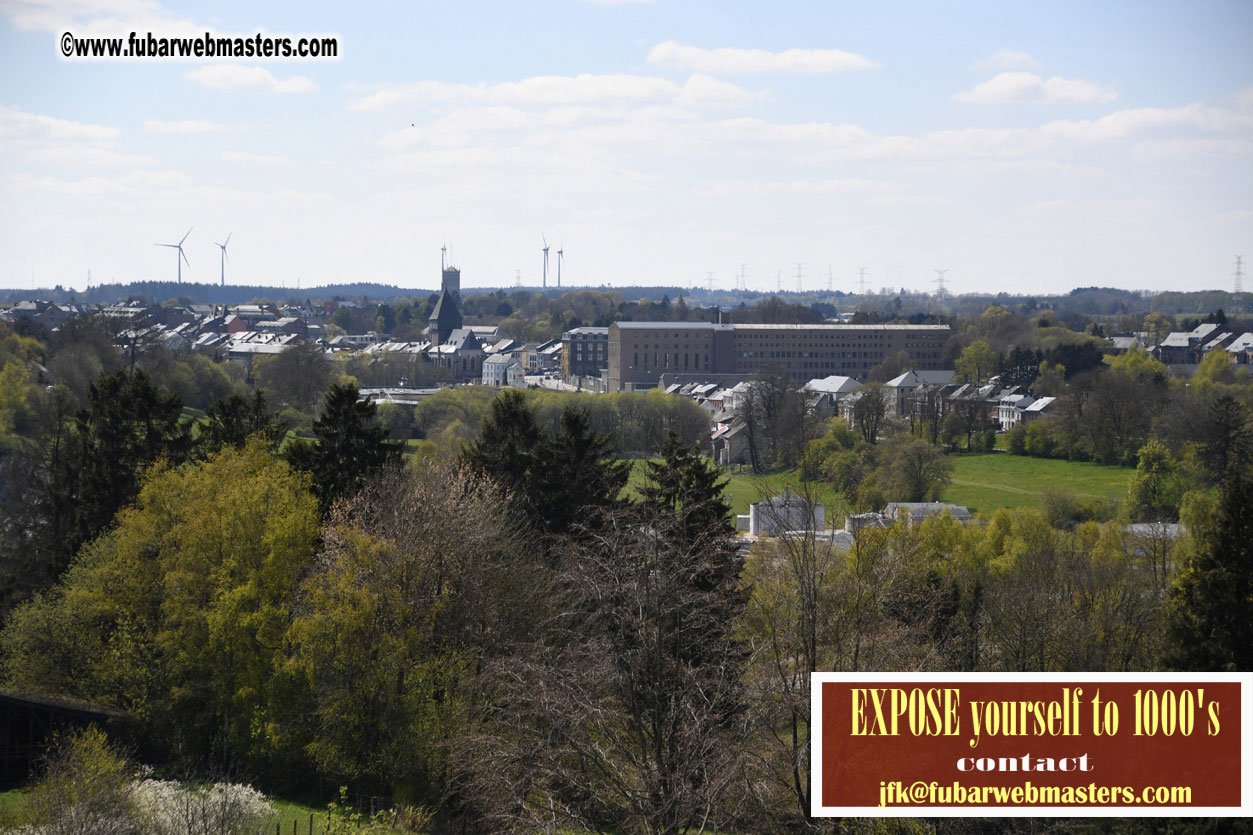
x,y
1022,147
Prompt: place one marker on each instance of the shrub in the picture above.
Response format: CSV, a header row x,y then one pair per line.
x,y
91,789
1016,440
86,789
173,808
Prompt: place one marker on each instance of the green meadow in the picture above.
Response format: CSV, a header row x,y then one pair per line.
x,y
986,481
981,481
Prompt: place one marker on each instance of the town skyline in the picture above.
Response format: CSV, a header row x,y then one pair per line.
x,y
1030,151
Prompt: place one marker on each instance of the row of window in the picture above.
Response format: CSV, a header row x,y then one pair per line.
x,y
661,361
806,354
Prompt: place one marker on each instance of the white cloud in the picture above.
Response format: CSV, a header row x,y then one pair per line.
x,y
839,186
47,140
702,89
461,127
1107,210
1190,149
559,91
733,60
1007,59
186,126
96,17
1025,86
17,124
84,156
1122,123
925,201
234,76
132,183
249,158
166,185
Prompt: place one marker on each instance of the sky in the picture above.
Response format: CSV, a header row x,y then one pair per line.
x,y
1020,147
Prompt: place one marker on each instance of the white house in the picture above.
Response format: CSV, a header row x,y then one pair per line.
x,y
1009,412
502,370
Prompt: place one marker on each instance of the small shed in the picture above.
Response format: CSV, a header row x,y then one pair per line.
x,y
788,512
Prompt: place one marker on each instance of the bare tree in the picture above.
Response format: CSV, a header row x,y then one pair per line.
x,y
823,600
779,419
627,714
870,411
297,377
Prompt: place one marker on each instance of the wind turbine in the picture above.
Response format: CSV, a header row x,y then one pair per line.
x,y
225,257
182,256
545,240
560,254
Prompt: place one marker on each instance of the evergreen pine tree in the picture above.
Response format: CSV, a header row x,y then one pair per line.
x,y
556,480
580,472
684,485
348,447
1211,615
508,446
127,425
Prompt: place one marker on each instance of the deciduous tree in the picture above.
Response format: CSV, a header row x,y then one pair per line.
x,y
870,411
976,363
627,713
421,579
178,614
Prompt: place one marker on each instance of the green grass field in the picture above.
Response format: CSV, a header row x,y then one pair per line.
x,y
744,488
286,814
981,481
11,804
986,481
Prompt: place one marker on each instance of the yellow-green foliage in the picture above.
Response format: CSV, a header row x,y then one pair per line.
x,y
179,612
414,581
17,388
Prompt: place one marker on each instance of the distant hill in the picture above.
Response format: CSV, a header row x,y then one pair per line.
x,y
159,291
1082,301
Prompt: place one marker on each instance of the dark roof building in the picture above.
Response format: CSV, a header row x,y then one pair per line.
x,y
445,318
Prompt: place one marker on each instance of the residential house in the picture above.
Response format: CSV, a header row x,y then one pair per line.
x,y
1009,413
1241,349
909,383
502,370
826,393
1036,409
911,513
729,441
1184,347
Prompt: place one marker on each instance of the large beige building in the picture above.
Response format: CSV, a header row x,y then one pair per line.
x,y
641,353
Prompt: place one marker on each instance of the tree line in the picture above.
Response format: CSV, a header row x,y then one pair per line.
x,y
510,642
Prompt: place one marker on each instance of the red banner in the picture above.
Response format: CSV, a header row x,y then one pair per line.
x,y
1043,744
